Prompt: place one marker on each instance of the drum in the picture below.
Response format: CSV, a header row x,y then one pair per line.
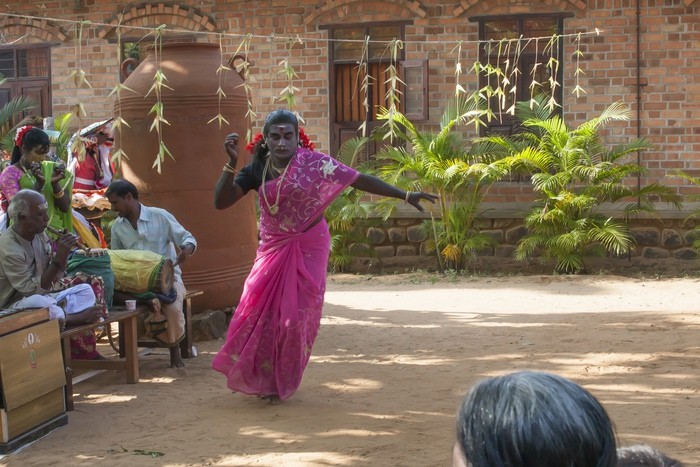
x,y
94,262
140,271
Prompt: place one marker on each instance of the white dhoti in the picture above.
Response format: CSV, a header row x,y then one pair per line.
x,y
66,302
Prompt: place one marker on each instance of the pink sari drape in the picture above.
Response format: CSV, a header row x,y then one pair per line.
x,y
274,327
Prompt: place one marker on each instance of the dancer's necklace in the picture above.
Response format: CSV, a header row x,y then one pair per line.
x,y
274,208
275,168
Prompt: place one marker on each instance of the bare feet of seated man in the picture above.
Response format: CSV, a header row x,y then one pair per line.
x,y
87,316
176,358
159,317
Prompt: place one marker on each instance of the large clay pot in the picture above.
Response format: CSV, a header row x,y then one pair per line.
x,y
185,187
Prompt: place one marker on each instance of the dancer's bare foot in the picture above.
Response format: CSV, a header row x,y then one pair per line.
x,y
89,315
273,400
176,358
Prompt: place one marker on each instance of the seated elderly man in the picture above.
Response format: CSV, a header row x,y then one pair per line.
x,y
532,418
30,270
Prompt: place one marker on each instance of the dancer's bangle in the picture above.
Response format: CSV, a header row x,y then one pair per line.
x,y
228,169
59,194
408,193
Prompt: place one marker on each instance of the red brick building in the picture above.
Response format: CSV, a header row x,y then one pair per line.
x,y
646,54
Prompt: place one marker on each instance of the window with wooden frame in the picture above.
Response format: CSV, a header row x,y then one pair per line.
x,y
27,71
528,67
347,96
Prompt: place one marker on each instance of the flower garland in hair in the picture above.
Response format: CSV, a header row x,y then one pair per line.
x,y
304,141
21,131
251,146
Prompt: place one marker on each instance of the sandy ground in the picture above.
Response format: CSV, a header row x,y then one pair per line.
x,y
393,359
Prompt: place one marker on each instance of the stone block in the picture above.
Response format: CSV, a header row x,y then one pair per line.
x,y
690,236
624,254
406,250
401,222
376,236
670,238
397,235
208,325
685,253
655,253
646,236
502,223
416,234
504,251
514,234
488,251
497,235
482,223
384,251
360,249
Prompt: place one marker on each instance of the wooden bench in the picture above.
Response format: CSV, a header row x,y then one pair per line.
x,y
128,345
127,361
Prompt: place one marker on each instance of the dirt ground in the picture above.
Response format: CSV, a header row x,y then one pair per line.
x,y
394,357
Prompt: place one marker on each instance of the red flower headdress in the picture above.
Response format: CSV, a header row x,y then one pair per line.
x,y
21,131
251,146
304,141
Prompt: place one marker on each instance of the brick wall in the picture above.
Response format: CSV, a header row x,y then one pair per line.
x,y
669,84
670,74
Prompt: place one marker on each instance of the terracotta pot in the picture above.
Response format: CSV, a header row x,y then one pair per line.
x,y
185,187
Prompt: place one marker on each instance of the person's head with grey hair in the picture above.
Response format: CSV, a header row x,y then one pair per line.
x,y
28,211
533,418
642,455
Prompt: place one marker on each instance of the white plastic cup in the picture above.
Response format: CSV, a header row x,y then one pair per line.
x,y
130,305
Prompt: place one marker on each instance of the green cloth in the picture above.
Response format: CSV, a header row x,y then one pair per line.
x,y
57,219
95,266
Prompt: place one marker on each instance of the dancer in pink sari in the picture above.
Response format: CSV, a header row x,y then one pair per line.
x,y
274,327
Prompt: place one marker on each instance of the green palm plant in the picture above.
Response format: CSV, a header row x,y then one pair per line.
x,y
573,176
62,124
440,162
343,213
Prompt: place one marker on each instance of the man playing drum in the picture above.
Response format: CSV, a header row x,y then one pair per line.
x,y
142,227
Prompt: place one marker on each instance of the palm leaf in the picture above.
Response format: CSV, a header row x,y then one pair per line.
x,y
8,115
350,151
573,174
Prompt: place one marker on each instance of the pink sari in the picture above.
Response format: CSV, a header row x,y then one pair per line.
x,y
274,327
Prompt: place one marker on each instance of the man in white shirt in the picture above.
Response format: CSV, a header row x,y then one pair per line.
x,y
154,229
